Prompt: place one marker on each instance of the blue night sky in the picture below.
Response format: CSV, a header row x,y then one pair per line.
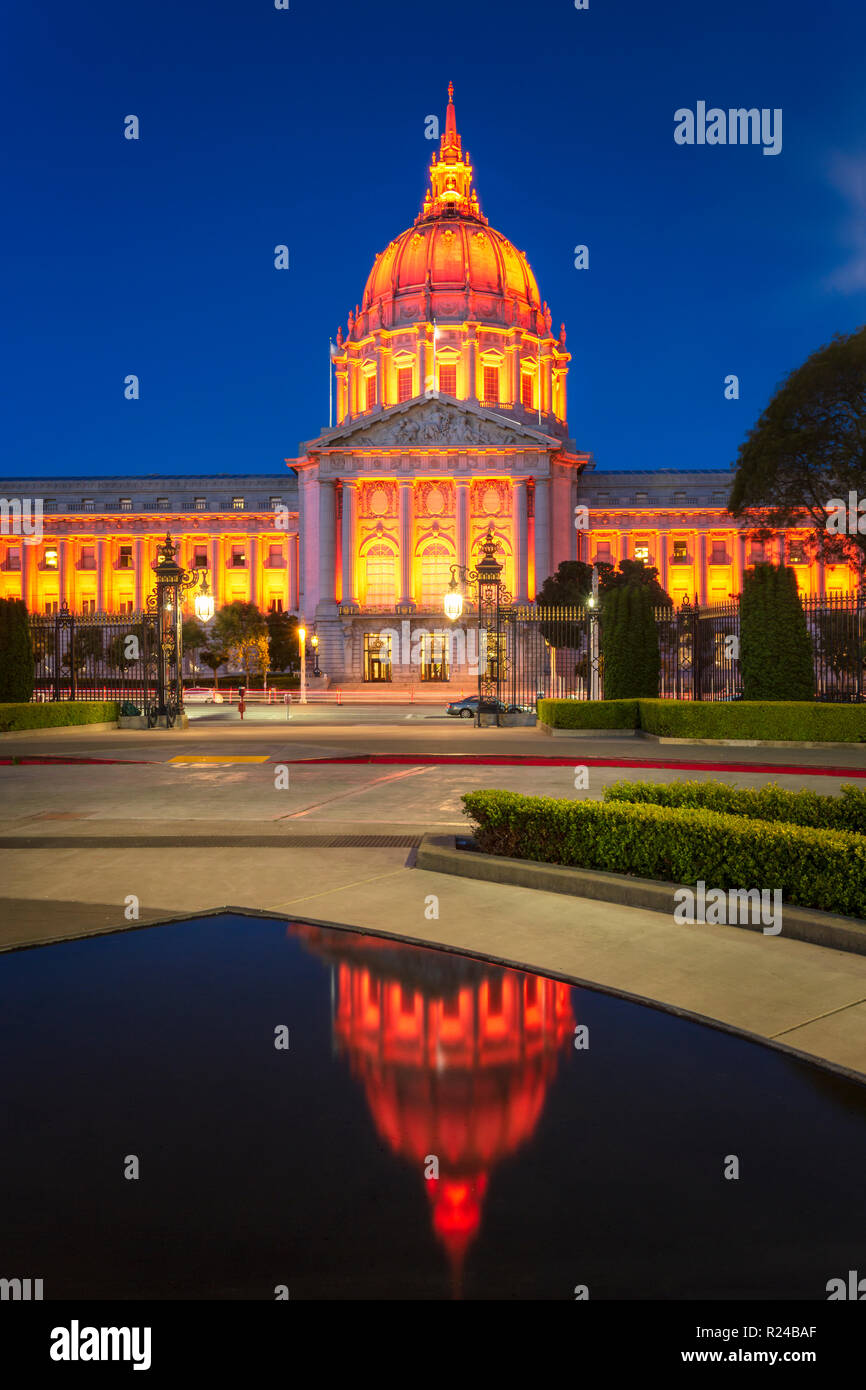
x,y
306,127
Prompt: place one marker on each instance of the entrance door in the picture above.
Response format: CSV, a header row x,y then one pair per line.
x,y
377,657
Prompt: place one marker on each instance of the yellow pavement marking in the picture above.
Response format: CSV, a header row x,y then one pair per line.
x,y
207,758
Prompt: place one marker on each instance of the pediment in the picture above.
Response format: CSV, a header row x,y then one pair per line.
x,y
434,423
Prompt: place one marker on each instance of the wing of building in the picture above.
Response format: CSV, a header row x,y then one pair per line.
x,y
450,420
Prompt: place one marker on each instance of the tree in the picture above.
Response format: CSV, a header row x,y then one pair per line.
x,y
808,449
243,633
86,646
775,647
572,583
629,643
193,637
214,656
282,641
17,669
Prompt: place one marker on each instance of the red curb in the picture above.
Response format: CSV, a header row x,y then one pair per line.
x,y
456,760
72,762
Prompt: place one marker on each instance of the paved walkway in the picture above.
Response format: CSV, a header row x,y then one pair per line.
x,y
184,838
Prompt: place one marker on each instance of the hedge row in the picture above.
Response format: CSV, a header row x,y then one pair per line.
x,y
824,869
800,721
773,803
56,714
589,714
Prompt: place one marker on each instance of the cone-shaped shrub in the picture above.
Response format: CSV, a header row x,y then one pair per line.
x,y
630,644
17,671
775,647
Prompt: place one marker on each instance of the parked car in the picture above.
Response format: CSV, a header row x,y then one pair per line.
x,y
468,708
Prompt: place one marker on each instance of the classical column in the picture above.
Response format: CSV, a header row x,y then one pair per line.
x,y
350,512
542,531
521,548
62,563
739,561
702,567
327,546
255,577
472,346
295,544
100,574
406,541
662,559
462,485
138,601
26,557
624,541
822,578
380,397
422,360
515,370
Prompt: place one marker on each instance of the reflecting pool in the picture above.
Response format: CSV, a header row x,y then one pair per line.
x,y
232,1105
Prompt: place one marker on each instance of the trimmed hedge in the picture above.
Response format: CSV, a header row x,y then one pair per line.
x,y
799,721
629,643
803,721
589,714
823,869
773,803
17,662
57,714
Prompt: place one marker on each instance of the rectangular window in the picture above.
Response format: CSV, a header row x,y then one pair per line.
x,y
50,560
88,558
641,552
641,499
237,504
720,499
125,504
370,384
796,553
88,605
126,605
602,552
719,554
491,386
679,499
603,499
13,557
199,558
448,381
200,504
275,605
275,557
87,504
52,605
404,384
434,656
274,502
124,557
162,504
526,390
49,504
680,553
238,559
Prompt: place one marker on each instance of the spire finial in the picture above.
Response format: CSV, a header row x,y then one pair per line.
x,y
450,91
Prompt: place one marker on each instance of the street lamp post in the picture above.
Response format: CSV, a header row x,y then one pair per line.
x,y
302,644
493,600
314,640
173,584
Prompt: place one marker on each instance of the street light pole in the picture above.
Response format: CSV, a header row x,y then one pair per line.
x,y
492,594
302,642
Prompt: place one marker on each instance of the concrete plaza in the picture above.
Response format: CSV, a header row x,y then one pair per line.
x,y
290,834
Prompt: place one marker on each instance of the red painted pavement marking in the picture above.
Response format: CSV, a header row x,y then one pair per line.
x,y
456,760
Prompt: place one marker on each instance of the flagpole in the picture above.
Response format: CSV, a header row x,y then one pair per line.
x,y
330,383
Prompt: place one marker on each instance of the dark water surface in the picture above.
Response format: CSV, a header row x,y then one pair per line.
x,y
306,1167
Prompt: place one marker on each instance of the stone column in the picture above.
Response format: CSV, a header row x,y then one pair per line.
x,y
422,361
26,567
139,558
62,576
624,542
542,531
521,547
472,346
100,574
327,539
380,394
462,485
822,578
702,567
255,586
515,370
662,559
350,513
406,541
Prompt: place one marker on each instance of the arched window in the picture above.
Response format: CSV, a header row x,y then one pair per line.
x,y
381,577
436,561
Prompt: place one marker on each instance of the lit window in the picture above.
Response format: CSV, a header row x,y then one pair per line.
x,y
680,553
381,576
448,380
275,605
162,504
435,576
371,392
126,504
526,390
200,504
199,558
274,502
51,557
641,552
237,504
491,385
404,384
124,558
239,557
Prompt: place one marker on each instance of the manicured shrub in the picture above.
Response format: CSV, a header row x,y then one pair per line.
x,y
807,723
589,714
775,647
17,668
57,714
629,643
823,869
774,803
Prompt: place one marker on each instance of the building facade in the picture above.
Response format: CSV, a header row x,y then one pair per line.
x,y
451,422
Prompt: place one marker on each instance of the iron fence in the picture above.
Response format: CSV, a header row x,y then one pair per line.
x,y
95,656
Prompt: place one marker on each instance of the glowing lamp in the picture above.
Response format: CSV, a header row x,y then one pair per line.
x,y
203,603
453,601
314,641
302,634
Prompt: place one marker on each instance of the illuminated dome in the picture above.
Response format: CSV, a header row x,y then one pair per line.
x,y
452,255
451,307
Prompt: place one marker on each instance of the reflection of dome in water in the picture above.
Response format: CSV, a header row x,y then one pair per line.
x,y
459,1071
